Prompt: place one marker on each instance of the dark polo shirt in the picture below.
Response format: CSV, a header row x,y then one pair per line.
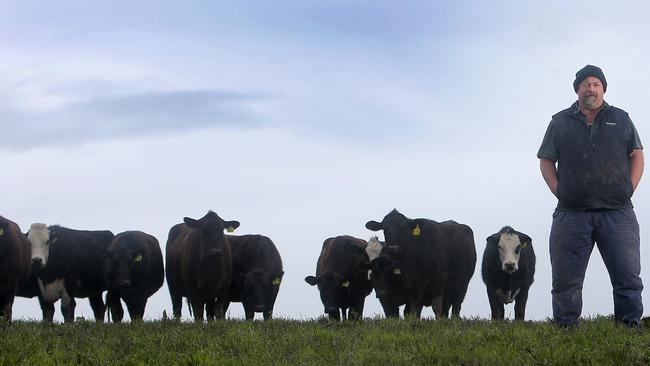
x,y
592,160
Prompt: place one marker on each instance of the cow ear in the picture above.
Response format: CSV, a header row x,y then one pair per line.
x,y
493,239
363,266
54,236
231,225
524,240
190,222
373,225
311,280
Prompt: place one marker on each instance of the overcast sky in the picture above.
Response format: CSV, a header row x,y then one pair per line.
x,y
303,120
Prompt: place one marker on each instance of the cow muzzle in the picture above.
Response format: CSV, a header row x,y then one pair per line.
x,y
38,262
510,267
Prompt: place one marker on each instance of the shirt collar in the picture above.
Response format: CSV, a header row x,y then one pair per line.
x,y
576,110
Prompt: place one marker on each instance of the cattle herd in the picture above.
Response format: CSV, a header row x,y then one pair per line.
x,y
421,263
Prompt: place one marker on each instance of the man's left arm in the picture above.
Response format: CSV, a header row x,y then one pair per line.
x,y
636,167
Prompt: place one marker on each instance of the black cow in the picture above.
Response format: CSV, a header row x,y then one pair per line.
x,y
386,277
436,262
342,277
15,254
508,270
257,274
134,272
71,265
199,265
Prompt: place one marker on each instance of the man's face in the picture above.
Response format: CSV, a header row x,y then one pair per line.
x,y
590,93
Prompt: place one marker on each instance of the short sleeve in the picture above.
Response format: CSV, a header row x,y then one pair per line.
x,y
634,141
548,150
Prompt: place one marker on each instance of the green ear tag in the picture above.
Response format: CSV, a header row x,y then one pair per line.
x,y
2,232
397,271
230,229
416,231
276,281
346,284
138,258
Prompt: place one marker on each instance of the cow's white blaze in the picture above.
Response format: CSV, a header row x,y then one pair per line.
x,y
509,252
373,248
39,237
54,291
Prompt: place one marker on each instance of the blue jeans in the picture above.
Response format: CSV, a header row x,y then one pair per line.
x,y
573,234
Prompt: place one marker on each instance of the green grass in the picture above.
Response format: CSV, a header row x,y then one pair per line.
x,y
375,342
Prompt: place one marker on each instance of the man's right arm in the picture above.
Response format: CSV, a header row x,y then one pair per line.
x,y
549,172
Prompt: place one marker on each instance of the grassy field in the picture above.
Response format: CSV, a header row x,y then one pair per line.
x,y
376,342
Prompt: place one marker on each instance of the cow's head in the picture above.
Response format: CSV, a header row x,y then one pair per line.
x,y
395,226
509,243
123,264
40,238
386,276
211,227
259,289
333,288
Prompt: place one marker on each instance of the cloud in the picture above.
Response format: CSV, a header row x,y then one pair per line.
x,y
102,118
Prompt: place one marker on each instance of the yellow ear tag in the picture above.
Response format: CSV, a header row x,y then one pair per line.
x,y
138,258
276,281
230,229
525,244
346,284
397,271
416,231
2,232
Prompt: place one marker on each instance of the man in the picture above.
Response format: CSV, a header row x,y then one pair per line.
x,y
599,164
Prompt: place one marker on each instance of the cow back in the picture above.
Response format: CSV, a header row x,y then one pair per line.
x,y
78,256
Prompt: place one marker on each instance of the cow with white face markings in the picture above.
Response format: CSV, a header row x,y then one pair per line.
x,y
508,270
66,264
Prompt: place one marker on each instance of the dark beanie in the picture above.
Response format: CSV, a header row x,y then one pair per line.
x,y
589,70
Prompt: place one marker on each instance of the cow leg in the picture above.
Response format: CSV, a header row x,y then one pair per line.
x,y
7,302
47,308
68,304
177,303
198,307
268,314
115,306
136,309
99,309
344,314
335,314
220,308
520,304
248,311
211,309
436,305
446,305
496,306
356,311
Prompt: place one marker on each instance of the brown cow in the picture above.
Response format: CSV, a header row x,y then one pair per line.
x,y
15,262
199,265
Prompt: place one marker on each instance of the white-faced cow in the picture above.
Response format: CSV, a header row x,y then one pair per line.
x,y
386,276
199,265
342,277
14,264
71,265
134,272
434,260
508,269
257,274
